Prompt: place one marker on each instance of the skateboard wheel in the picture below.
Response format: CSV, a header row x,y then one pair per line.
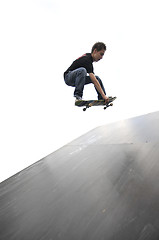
x,y
84,109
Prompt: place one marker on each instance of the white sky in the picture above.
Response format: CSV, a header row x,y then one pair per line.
x,y
39,40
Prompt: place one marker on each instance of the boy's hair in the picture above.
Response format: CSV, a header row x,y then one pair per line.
x,y
99,46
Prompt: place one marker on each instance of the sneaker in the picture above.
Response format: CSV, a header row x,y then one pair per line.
x,y
78,98
110,97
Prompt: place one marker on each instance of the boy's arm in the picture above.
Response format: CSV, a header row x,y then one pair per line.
x,y
98,87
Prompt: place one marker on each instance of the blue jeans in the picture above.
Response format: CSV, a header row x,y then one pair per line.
x,y
78,78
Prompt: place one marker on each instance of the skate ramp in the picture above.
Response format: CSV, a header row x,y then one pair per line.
x,y
103,185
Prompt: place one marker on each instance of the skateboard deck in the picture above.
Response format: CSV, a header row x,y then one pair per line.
x,y
89,103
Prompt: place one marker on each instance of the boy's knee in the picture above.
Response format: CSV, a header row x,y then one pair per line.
x,y
83,71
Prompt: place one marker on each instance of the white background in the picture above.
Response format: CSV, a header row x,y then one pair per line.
x,y
39,39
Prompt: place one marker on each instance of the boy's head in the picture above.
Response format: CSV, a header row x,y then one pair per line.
x,y
98,51
99,46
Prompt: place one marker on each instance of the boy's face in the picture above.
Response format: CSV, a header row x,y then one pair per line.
x,y
98,55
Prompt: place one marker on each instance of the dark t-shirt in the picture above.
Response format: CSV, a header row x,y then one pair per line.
x,y
85,61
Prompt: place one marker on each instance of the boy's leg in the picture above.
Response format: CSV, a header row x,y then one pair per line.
x,y
102,86
77,79
88,80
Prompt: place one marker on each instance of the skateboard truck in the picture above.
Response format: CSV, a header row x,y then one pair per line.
x,y
108,105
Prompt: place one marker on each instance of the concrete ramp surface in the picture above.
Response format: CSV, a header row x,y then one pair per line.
x,y
101,186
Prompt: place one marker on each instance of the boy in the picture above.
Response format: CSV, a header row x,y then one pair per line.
x,y
76,75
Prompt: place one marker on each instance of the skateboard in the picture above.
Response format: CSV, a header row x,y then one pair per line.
x,y
89,103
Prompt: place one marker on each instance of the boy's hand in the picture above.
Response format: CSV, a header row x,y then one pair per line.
x,y
106,99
